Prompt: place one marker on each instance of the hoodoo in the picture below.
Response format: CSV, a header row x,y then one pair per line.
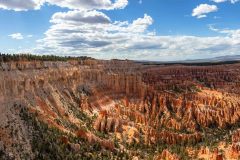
x,y
90,108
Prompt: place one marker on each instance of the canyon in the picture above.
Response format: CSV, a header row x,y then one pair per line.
x,y
118,109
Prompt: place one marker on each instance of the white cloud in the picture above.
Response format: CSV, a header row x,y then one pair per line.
x,y
86,31
20,5
234,34
126,39
68,35
119,4
203,9
90,4
141,24
80,17
17,36
221,1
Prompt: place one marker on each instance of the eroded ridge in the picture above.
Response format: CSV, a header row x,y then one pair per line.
x,y
93,108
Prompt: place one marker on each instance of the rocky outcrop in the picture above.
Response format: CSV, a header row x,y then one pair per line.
x,y
167,155
91,138
131,102
224,151
106,123
221,77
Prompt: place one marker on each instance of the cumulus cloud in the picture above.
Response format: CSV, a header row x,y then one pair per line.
x,y
90,4
141,24
201,10
19,5
233,34
17,36
89,37
80,17
85,30
123,39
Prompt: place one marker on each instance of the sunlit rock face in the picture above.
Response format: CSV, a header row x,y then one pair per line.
x,y
122,107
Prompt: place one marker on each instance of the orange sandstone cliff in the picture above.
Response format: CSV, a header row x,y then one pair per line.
x,y
112,109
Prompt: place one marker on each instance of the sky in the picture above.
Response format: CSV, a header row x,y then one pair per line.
x,y
159,30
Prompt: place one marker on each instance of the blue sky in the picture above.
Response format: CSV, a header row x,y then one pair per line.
x,y
124,29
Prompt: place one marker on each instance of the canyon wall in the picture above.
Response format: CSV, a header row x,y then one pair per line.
x,y
129,102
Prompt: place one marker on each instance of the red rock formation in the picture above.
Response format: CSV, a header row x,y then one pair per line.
x,y
170,104
167,155
107,123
